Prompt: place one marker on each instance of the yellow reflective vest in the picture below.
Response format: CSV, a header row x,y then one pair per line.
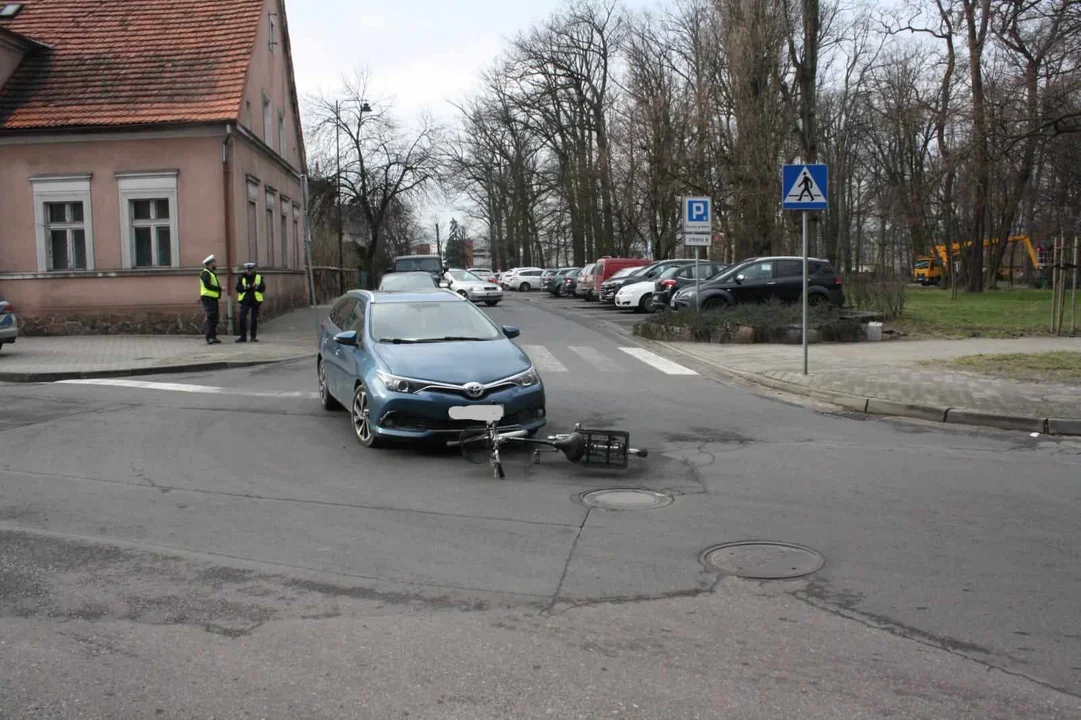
x,y
209,286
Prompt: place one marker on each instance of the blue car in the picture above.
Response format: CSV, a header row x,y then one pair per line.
x,y
400,361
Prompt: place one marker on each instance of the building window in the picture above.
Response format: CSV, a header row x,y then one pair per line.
x,y
253,222
284,237
270,228
282,145
270,40
148,209
247,115
152,232
268,128
65,233
67,236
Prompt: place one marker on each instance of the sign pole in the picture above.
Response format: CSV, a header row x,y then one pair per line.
x,y
805,304
697,281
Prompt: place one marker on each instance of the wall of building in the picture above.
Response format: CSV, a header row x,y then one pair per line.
x,y
111,298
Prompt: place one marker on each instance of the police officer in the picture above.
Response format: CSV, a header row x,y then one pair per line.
x,y
209,294
249,291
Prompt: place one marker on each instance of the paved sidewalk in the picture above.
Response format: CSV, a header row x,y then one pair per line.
x,y
44,359
886,375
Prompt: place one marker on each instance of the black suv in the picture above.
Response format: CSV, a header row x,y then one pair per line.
x,y
764,279
611,286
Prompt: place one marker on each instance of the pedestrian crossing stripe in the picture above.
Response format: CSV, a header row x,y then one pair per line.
x,y
544,360
663,364
596,358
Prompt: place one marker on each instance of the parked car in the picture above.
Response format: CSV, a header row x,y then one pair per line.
x,y
673,279
471,287
649,272
583,285
610,286
484,274
764,279
637,296
525,280
384,356
564,282
606,267
508,276
546,277
9,324
431,264
407,282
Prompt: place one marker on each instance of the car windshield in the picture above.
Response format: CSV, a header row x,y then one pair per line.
x,y
428,322
625,272
922,264
417,264
407,281
464,275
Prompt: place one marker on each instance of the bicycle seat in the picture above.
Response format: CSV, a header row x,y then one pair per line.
x,y
573,446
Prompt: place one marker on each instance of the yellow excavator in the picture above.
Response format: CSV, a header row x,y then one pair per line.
x,y
928,269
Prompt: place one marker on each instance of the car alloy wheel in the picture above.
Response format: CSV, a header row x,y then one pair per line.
x,y
328,401
814,300
524,287
362,420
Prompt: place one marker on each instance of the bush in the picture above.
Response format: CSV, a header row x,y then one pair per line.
x,y
771,323
876,295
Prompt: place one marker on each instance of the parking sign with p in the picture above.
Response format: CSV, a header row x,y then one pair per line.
x,y
697,215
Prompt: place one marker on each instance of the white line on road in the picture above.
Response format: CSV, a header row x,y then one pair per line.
x,y
542,359
596,358
179,387
652,359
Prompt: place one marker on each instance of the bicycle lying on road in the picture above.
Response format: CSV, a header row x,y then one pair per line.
x,y
607,448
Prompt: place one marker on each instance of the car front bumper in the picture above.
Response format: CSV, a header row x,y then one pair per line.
x,y
426,415
9,328
482,295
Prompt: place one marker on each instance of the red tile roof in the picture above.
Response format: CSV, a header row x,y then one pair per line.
x,y
129,62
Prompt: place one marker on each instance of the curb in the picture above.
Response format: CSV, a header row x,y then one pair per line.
x,y
47,377
879,406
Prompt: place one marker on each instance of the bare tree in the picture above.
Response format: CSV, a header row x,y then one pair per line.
x,y
381,164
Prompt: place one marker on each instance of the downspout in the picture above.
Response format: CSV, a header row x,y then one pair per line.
x,y
308,240
230,236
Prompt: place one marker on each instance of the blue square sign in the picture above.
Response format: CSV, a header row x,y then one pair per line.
x,y
697,215
804,187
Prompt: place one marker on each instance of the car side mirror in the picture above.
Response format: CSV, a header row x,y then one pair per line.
x,y
740,279
349,337
511,331
444,284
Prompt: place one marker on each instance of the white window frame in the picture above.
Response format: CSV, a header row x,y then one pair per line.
x,y
156,185
297,264
270,41
283,241
61,189
272,220
253,220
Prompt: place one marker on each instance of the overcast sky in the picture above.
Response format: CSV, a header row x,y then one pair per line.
x,y
422,53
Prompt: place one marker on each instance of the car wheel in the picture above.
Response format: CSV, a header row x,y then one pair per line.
x,y
361,417
328,401
464,294
491,303
714,304
646,303
524,287
816,300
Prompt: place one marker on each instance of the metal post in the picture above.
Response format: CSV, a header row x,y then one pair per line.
x,y
697,281
1073,302
1054,283
1063,279
338,184
805,304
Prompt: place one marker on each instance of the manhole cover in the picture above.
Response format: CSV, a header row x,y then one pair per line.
x,y
763,560
625,499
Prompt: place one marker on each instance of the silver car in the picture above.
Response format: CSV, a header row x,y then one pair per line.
x,y
9,325
472,287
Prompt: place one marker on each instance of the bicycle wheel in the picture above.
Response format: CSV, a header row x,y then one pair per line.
x,y
476,445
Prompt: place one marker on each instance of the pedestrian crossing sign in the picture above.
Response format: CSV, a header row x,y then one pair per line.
x,y
804,187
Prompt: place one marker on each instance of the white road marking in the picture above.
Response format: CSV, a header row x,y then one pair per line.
x,y
542,359
652,359
596,358
179,387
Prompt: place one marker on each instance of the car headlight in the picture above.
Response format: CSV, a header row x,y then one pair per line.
x,y
398,384
526,379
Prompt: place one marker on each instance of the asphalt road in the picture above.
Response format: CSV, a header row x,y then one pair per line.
x,y
215,544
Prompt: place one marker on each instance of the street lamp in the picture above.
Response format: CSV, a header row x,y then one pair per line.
x,y
364,107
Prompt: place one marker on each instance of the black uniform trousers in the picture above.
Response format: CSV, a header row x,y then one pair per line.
x,y
247,307
210,307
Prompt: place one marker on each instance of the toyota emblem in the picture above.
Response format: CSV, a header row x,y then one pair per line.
x,y
474,389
